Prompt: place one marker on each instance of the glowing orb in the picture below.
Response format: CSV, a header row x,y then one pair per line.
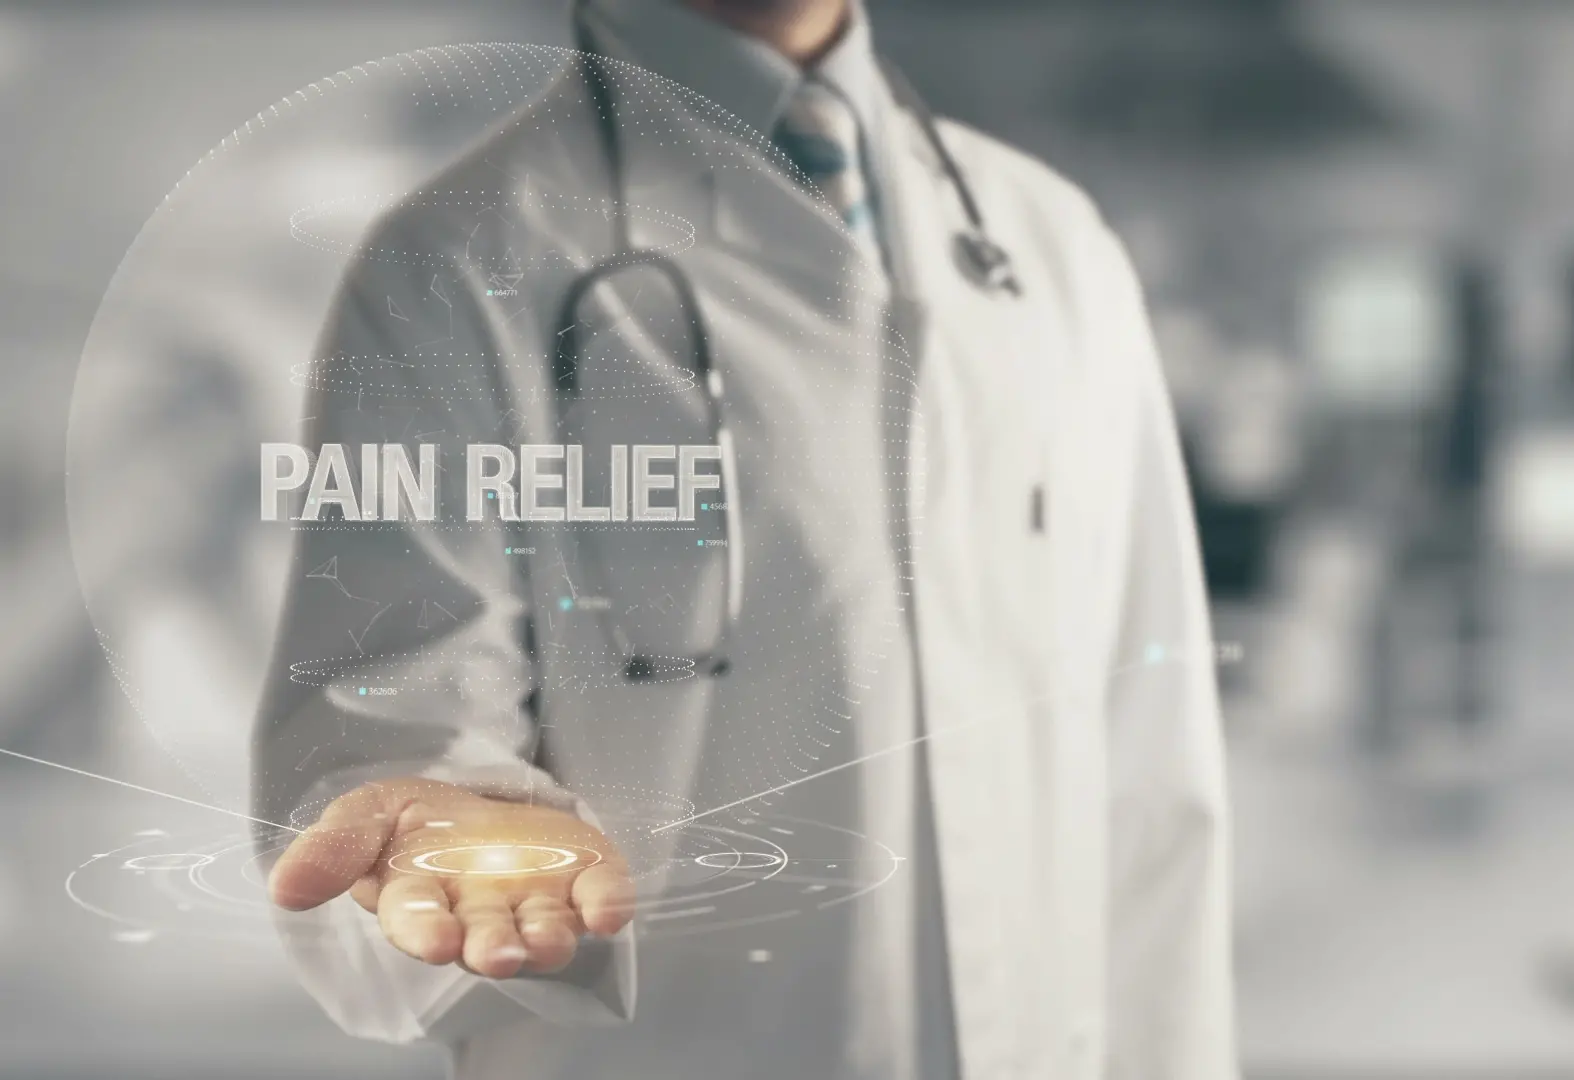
x,y
497,860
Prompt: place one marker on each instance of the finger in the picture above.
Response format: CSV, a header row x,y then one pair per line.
x,y
604,897
365,892
492,945
329,857
550,930
414,915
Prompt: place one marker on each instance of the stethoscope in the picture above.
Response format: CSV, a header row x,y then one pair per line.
x,y
981,260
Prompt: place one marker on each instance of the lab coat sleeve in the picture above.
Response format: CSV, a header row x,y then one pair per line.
x,y
1171,996
432,611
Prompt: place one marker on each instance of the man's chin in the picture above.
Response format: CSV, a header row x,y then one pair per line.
x,y
753,12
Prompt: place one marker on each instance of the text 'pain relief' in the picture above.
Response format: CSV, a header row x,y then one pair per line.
x,y
507,483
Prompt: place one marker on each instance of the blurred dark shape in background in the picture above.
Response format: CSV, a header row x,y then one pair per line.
x,y
1198,77
1202,82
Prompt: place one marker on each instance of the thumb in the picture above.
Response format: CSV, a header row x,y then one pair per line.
x,y
604,897
343,846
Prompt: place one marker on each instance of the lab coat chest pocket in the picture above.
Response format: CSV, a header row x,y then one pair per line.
x,y
1012,361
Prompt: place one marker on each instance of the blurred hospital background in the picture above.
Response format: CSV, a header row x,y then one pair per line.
x,y
1356,222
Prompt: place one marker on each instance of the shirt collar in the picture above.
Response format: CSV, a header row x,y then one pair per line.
x,y
739,73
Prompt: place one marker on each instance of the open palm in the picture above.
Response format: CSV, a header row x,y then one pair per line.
x,y
452,876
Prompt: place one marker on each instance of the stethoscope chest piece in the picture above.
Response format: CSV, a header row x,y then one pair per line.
x,y
985,263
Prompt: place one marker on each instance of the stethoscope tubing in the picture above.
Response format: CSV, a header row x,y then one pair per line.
x,y
983,261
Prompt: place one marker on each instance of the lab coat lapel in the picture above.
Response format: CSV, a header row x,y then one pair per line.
x,y
760,234
1052,976
755,211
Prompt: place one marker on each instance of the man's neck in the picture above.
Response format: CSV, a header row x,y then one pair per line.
x,y
801,30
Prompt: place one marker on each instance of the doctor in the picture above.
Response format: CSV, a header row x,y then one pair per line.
x,y
1020,611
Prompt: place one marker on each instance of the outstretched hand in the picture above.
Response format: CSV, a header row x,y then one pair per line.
x,y
454,877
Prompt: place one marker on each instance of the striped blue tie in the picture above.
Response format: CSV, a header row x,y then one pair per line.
x,y
819,133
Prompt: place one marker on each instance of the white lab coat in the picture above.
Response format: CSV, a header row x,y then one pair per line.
x,y
1078,792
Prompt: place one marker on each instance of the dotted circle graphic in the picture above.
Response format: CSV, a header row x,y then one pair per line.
x,y
395,303
158,888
